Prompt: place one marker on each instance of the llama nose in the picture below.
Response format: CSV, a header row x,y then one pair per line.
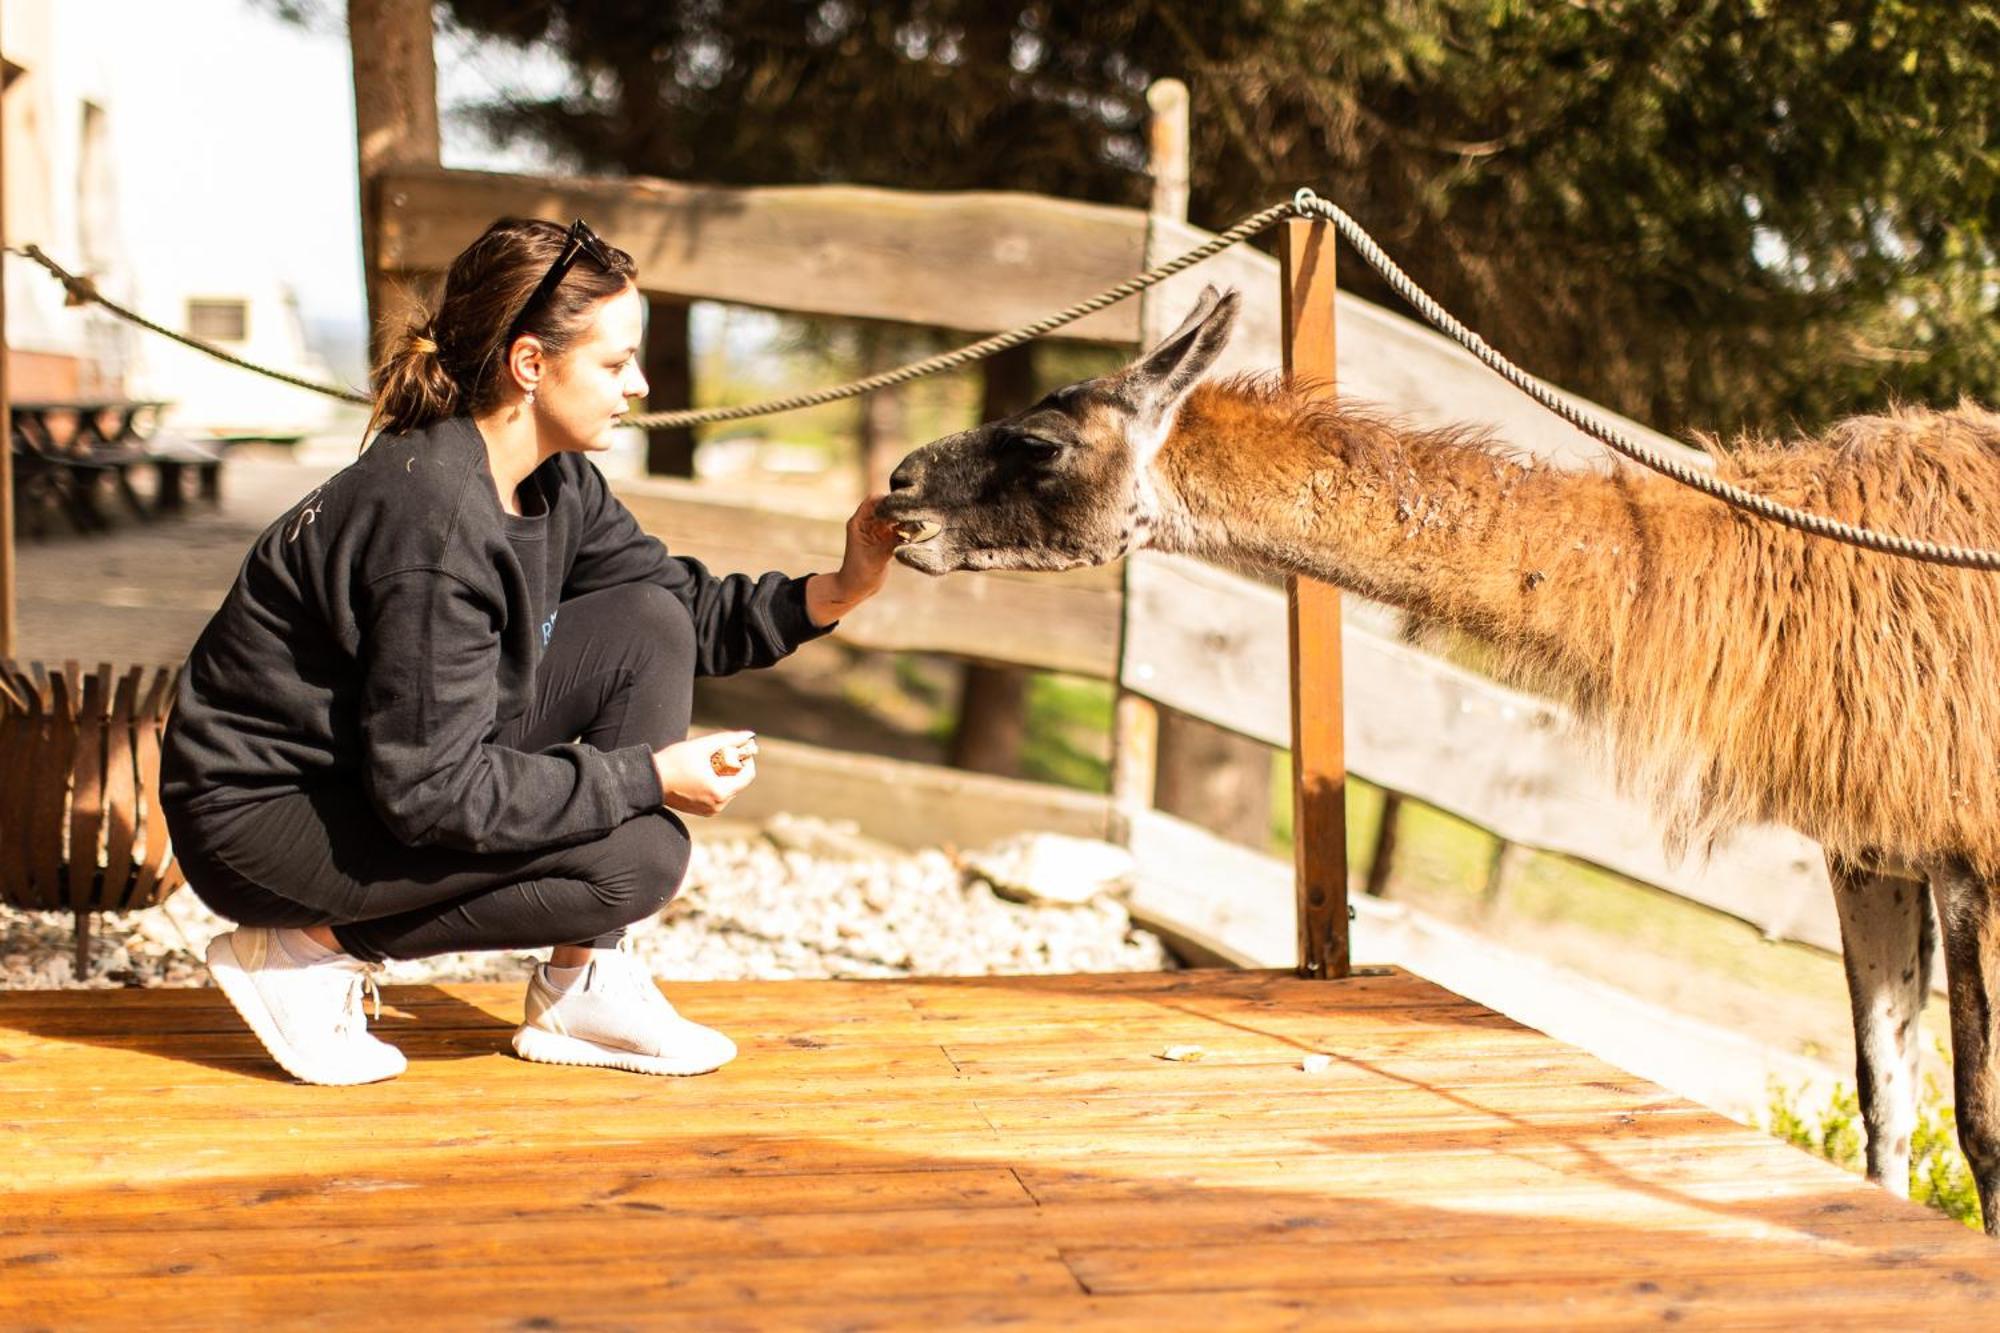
x,y
907,475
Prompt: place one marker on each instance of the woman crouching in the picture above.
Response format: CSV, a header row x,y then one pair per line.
x,y
444,707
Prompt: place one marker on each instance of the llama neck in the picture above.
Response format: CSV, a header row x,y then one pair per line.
x,y
1537,561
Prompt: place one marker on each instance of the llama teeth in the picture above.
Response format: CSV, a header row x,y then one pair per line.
x,y
917,531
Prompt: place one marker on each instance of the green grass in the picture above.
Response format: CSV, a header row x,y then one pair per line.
x,y
1068,733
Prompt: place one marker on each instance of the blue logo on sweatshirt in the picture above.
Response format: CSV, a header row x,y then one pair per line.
x,y
549,626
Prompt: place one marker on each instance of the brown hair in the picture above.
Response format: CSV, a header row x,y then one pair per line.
x,y
453,360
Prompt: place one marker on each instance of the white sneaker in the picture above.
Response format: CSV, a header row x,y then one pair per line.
x,y
308,1015
616,1018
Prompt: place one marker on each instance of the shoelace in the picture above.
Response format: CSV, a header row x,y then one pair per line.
x,y
631,976
361,987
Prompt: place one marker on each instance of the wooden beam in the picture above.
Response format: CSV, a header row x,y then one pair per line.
x,y
909,804
1135,719
395,125
975,262
1319,766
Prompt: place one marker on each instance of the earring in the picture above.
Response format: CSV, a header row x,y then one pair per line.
x,y
531,398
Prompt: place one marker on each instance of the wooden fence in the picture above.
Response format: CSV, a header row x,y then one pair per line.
x,y
1166,631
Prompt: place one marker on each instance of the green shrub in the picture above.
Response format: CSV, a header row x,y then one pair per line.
x,y
1939,1176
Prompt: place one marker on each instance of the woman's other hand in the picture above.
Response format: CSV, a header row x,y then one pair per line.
x,y
871,542
701,776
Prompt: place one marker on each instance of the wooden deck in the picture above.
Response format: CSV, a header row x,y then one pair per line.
x,y
937,1153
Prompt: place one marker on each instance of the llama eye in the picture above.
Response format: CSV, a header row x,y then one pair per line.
x,y
1040,450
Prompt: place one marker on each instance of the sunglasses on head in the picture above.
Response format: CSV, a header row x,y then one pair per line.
x,y
580,240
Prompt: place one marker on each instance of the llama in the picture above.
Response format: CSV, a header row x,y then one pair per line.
x,y
1741,670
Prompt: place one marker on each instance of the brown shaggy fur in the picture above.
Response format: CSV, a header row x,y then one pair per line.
x,y
1743,671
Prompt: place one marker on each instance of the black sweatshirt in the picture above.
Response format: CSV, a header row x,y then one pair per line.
x,y
383,630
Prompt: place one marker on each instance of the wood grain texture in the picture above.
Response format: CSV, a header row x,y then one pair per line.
x,y
935,1152
976,262
1319,752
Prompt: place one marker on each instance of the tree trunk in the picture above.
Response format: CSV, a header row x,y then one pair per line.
x,y
992,720
1215,778
395,125
993,705
669,370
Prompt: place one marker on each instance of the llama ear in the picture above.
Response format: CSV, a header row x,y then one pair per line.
x,y
1167,372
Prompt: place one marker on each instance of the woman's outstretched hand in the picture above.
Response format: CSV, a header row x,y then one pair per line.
x,y
701,776
871,542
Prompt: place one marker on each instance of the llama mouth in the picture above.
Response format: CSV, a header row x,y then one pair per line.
x,y
916,531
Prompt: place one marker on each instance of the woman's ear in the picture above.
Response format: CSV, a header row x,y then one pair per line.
x,y
525,363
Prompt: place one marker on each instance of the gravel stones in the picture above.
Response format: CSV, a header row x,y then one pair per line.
x,y
804,899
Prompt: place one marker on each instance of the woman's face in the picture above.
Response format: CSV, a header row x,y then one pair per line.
x,y
585,391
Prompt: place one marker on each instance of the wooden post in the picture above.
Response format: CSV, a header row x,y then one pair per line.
x,y
1135,719
1319,763
7,624
1205,774
1167,147
395,124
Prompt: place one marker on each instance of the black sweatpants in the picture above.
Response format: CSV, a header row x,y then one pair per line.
x,y
619,670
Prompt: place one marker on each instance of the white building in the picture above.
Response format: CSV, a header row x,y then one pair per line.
x,y
89,104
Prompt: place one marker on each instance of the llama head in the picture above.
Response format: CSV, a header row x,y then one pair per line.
x,y
1066,482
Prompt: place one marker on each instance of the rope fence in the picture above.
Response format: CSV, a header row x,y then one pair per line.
x,y
1305,203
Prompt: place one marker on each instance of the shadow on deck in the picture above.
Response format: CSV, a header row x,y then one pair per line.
x,y
936,1153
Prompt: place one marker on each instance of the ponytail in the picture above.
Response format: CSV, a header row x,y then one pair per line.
x,y
412,388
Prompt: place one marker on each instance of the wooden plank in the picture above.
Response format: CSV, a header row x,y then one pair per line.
x,y
630,1298
977,262
86,811
276,1203
20,728
51,773
121,790
1272,1237
910,804
965,1151
1056,622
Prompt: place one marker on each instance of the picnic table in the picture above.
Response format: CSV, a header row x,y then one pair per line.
x,y
64,448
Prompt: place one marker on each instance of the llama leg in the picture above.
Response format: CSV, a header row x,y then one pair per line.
x,y
1885,941
1970,909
